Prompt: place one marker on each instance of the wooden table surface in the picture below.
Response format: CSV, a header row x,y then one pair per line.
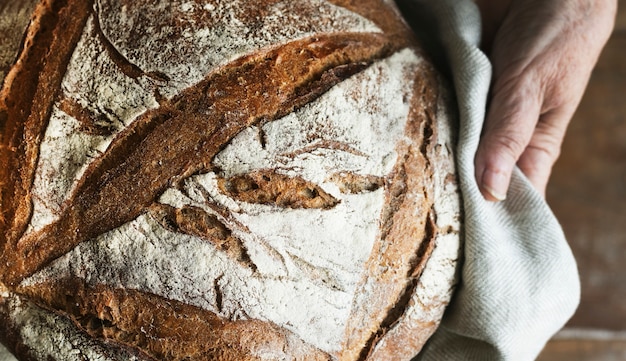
x,y
588,196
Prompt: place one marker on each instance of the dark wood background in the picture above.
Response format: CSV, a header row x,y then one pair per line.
x,y
588,195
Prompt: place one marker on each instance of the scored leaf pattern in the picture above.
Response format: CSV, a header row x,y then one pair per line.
x,y
178,139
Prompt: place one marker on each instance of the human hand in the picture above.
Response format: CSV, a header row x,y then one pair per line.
x,y
542,53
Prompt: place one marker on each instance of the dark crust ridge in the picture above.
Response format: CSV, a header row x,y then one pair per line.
x,y
197,222
26,101
165,329
269,187
41,315
406,241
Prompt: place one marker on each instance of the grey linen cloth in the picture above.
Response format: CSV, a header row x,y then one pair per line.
x,y
5,355
519,280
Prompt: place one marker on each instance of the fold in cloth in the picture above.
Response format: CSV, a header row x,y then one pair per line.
x,y
519,280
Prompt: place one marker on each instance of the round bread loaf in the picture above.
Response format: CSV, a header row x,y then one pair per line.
x,y
223,180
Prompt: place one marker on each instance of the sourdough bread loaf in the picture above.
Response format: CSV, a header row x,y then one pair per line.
x,y
224,180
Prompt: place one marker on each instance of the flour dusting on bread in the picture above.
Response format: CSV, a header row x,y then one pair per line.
x,y
228,180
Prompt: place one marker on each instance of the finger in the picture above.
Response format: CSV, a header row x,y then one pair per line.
x,y
513,114
544,148
536,164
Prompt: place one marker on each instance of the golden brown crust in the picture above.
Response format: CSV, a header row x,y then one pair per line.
x,y
419,308
268,187
26,101
166,329
32,317
407,231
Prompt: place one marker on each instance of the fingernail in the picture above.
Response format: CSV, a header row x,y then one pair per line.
x,y
496,184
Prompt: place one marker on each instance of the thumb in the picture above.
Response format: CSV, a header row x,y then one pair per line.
x,y
511,119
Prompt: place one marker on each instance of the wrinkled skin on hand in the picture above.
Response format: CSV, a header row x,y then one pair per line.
x,y
543,52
